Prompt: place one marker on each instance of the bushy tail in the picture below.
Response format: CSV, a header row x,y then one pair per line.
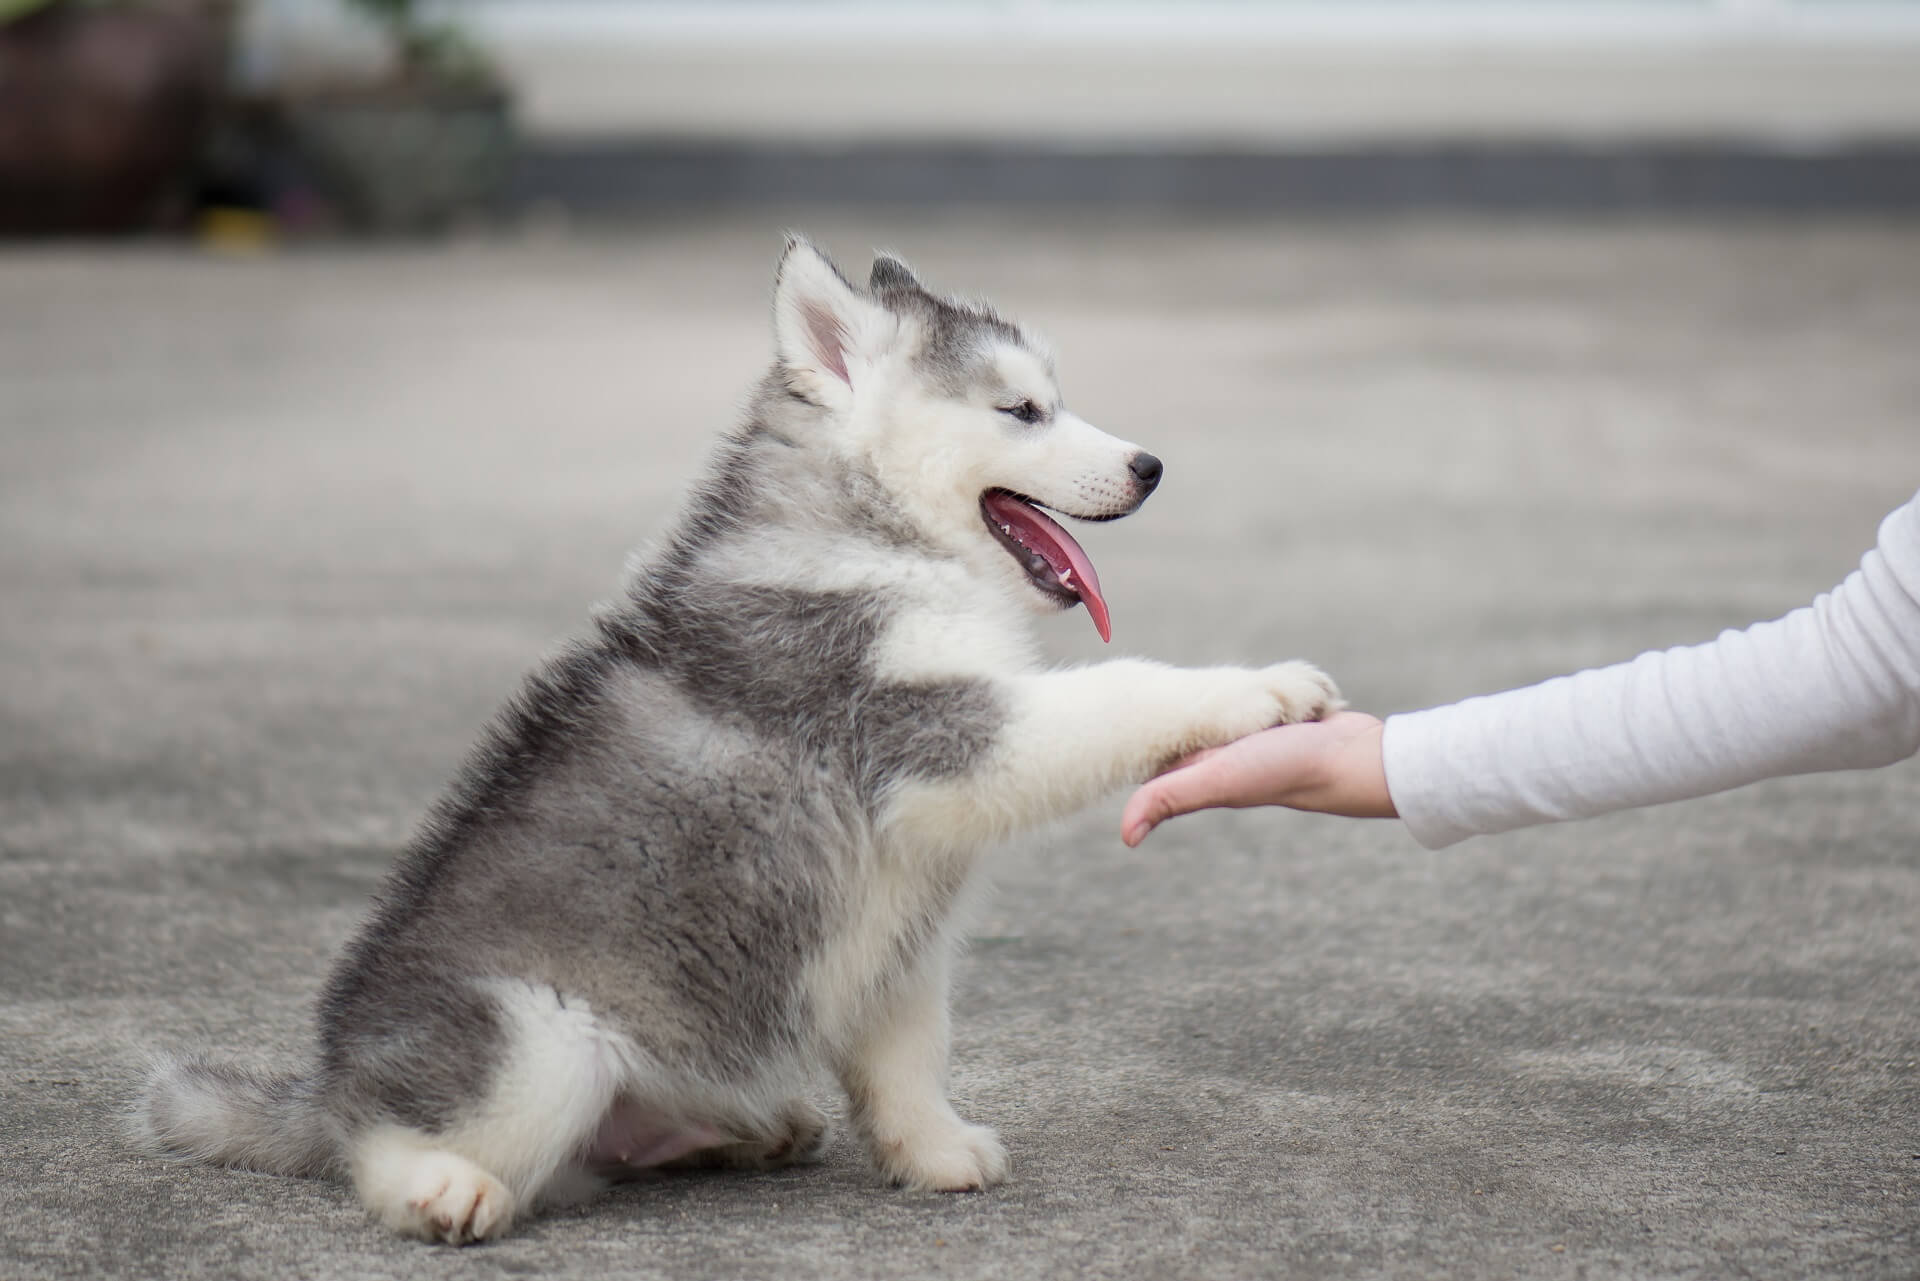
x,y
226,1115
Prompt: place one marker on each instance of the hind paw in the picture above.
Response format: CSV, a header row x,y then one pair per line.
x,y
800,1138
805,1140
448,1198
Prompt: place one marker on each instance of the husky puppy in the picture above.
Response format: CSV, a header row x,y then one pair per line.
x,y
718,845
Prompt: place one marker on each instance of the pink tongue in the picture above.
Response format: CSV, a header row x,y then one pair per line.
x,y
1043,534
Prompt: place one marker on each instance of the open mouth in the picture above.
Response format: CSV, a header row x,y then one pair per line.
x,y
1052,559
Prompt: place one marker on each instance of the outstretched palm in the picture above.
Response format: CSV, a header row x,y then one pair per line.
x,y
1331,767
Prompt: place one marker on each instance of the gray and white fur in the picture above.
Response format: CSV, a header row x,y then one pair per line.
x,y
718,845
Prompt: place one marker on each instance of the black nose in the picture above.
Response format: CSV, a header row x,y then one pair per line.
x,y
1147,468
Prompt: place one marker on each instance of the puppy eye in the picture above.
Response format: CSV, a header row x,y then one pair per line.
x,y
1026,411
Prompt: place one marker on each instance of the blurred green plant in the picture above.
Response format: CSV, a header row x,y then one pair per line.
x,y
11,9
431,50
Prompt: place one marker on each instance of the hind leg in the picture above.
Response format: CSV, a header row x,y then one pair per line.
x,y
552,1072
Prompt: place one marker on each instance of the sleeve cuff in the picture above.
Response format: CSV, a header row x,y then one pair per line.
x,y
1409,745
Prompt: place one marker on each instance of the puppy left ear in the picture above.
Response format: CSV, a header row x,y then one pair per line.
x,y
823,328
890,273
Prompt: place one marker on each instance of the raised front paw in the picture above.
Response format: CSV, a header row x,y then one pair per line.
x,y
1239,701
1301,692
950,1156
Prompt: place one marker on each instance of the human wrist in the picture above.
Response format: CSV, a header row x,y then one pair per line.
x,y
1372,797
1350,778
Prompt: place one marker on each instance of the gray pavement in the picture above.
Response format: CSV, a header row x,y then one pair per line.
x,y
276,536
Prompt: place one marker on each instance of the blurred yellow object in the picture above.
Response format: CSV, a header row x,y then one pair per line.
x,y
230,230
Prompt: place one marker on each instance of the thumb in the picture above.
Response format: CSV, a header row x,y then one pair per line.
x,y
1180,791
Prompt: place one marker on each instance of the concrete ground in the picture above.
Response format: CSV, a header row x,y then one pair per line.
x,y
276,536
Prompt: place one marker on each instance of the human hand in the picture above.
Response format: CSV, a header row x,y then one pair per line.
x,y
1329,767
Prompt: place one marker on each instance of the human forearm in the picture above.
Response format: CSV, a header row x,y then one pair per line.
x,y
1835,685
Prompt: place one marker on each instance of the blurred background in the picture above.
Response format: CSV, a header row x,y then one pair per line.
x,y
405,115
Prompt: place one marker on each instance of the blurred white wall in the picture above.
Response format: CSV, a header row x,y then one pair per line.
x,y
1273,73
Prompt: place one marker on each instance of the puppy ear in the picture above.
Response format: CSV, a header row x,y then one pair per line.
x,y
823,328
890,273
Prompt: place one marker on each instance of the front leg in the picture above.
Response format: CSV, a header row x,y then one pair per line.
x,y
1071,736
895,1074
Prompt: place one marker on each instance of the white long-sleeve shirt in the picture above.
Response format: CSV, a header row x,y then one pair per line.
x,y
1835,685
